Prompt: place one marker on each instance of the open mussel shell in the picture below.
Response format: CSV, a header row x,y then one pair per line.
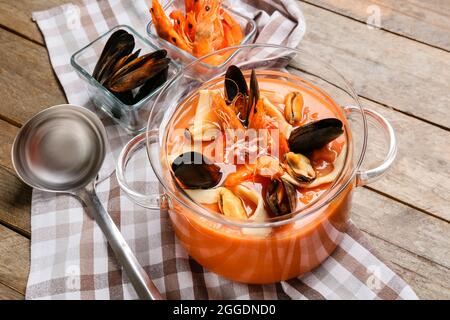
x,y
314,135
136,73
124,60
194,171
299,167
112,41
254,89
238,93
281,197
119,45
231,205
235,83
152,84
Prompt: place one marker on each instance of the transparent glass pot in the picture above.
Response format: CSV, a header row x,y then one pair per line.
x,y
277,248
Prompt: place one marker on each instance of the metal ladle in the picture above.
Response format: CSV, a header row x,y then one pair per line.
x,y
61,149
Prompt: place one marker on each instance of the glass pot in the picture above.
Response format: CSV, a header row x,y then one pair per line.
x,y
277,248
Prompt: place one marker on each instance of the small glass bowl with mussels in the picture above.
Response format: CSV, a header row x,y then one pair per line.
x,y
123,72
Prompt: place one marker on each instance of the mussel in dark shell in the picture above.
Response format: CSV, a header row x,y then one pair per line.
x,y
135,73
314,135
194,171
119,45
238,94
281,197
152,84
127,75
235,84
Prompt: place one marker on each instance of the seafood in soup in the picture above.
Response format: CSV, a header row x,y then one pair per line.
x,y
256,150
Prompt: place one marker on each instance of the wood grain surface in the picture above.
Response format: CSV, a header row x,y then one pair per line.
x,y
400,71
423,21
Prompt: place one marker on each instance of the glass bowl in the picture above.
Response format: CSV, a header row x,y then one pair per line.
x,y
273,249
133,118
183,57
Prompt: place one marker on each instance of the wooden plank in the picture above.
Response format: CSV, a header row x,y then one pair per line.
x,y
16,15
27,84
15,201
7,134
420,175
382,66
7,293
402,226
429,280
425,21
14,259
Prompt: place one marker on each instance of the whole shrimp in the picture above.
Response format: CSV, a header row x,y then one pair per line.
x,y
165,29
205,31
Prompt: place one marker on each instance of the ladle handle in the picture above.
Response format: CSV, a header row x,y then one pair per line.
x,y
144,287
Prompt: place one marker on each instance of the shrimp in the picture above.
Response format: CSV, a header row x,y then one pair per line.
x,y
190,25
179,25
189,5
265,167
232,29
198,6
226,114
259,119
165,29
205,31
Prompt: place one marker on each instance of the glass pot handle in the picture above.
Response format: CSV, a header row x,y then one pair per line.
x,y
364,177
150,201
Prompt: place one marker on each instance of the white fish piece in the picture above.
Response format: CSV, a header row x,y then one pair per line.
x,y
260,214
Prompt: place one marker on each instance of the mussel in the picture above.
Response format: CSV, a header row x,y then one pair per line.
x,y
195,171
119,45
235,84
281,197
293,107
299,167
314,135
231,205
238,94
127,75
152,84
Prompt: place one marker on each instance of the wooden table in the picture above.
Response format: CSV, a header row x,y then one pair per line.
x,y
401,70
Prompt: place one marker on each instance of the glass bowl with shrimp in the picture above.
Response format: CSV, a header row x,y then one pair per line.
x,y
258,161
189,29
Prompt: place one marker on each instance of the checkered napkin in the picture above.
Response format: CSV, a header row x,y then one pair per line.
x,y
70,258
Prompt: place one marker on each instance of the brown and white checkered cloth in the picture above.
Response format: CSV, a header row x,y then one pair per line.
x,y
70,258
